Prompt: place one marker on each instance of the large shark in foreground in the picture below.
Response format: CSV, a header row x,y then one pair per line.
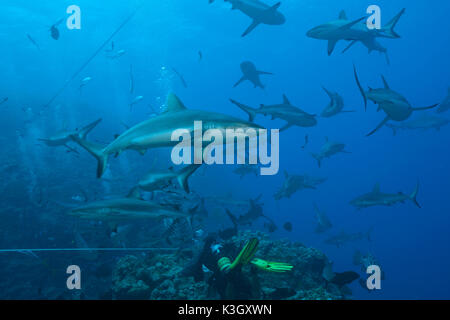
x,y
377,198
395,106
130,207
156,132
354,31
259,12
285,111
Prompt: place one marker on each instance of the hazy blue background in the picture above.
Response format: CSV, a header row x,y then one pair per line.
x,y
412,244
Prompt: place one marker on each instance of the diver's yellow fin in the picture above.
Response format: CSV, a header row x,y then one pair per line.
x,y
246,254
271,266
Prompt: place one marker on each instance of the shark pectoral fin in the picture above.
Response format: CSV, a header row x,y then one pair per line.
x,y
379,126
331,45
70,149
254,24
426,108
264,72
142,151
349,46
285,127
134,194
240,81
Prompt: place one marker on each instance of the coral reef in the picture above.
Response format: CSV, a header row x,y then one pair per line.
x,y
160,276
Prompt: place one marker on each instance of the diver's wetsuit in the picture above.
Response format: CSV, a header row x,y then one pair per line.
x,y
231,285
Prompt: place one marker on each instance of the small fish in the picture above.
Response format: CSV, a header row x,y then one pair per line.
x,y
118,54
54,32
3,100
306,142
85,81
200,56
135,101
131,79
33,41
181,77
287,226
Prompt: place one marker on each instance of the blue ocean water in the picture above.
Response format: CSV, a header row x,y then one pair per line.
x,y
411,244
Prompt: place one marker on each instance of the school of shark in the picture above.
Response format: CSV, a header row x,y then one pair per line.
x,y
217,154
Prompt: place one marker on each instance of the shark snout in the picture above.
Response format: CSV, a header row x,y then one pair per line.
x,y
313,33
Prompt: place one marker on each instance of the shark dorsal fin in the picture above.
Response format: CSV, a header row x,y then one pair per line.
x,y
286,100
386,85
342,15
134,194
275,6
326,139
174,103
376,188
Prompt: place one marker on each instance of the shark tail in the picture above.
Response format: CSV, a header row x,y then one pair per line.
x,y
360,87
318,159
388,29
184,175
250,111
96,150
413,195
85,130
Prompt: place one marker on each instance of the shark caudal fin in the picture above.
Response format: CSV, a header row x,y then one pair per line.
x,y
318,159
96,150
360,87
83,132
184,175
413,195
388,29
248,110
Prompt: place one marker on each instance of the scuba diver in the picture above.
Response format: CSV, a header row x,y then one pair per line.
x,y
227,276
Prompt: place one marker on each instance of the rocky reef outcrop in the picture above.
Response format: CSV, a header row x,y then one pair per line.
x,y
160,276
